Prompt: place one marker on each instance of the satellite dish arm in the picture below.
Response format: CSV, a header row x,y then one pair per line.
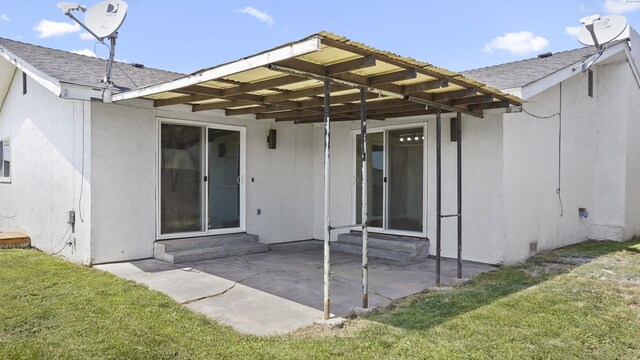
x,y
589,23
112,54
69,14
593,35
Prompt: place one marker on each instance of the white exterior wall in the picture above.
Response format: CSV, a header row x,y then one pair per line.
x,y
531,152
125,147
632,206
611,178
483,225
47,176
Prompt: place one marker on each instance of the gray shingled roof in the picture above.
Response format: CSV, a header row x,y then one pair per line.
x,y
520,73
84,70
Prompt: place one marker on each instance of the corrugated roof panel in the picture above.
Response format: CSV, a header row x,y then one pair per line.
x,y
329,55
301,85
451,87
254,75
165,95
217,84
380,69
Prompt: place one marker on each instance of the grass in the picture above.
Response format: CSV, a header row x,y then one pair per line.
x,y
578,302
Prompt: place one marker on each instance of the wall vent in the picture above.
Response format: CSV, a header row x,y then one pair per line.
x,y
24,83
533,247
590,83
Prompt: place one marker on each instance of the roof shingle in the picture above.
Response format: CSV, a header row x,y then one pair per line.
x,y
85,70
520,73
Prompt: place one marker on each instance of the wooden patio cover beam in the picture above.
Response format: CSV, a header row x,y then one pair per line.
x,y
300,67
274,83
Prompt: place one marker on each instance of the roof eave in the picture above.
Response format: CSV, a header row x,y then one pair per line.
x,y
48,82
536,87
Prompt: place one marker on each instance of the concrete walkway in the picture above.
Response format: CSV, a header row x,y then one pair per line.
x,y
229,302
281,291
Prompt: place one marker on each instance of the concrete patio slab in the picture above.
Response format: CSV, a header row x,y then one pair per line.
x,y
281,291
245,309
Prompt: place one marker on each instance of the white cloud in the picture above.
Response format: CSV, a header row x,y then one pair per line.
x,y
85,52
47,28
572,30
521,42
86,36
4,17
585,9
260,15
621,6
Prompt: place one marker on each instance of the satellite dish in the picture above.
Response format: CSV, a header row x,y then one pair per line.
x,y
605,29
105,18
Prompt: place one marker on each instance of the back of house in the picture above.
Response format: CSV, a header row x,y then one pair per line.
x,y
166,164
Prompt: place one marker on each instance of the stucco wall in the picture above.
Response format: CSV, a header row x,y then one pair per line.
x,y
632,206
278,182
47,174
534,211
482,183
612,118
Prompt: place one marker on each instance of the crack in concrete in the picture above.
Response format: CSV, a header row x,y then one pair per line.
x,y
384,296
220,293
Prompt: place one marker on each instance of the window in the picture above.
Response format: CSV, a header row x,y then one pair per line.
x,y
5,160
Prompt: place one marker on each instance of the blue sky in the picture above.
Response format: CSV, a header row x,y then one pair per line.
x,y
186,36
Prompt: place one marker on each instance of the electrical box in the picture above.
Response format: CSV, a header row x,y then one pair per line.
x,y
72,217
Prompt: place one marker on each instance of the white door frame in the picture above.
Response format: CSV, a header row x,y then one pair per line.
x,y
355,173
205,126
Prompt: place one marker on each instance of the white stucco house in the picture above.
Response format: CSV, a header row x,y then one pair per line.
x,y
164,157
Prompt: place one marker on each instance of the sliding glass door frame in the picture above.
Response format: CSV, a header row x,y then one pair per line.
x,y
205,186
356,174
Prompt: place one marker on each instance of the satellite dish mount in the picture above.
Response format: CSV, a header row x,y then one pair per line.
x,y
102,21
599,31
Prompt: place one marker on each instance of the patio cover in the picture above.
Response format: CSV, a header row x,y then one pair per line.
x,y
286,84
326,78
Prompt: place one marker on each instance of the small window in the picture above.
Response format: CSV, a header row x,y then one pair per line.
x,y
5,160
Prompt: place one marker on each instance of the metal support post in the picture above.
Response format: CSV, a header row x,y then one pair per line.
x,y
438,192
365,229
327,211
459,138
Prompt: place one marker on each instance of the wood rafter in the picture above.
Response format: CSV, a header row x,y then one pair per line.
x,y
301,66
421,70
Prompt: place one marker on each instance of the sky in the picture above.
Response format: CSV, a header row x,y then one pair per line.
x,y
186,36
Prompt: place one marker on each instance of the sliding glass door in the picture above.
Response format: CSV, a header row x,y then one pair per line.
x,y
181,173
201,187
395,179
224,179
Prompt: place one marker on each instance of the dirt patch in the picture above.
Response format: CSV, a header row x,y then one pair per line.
x,y
546,268
349,328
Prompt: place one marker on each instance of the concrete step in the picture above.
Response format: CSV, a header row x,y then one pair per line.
x,y
10,240
373,252
398,248
202,254
207,247
206,242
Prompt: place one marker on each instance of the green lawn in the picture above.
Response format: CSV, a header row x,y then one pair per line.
x,y
580,302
